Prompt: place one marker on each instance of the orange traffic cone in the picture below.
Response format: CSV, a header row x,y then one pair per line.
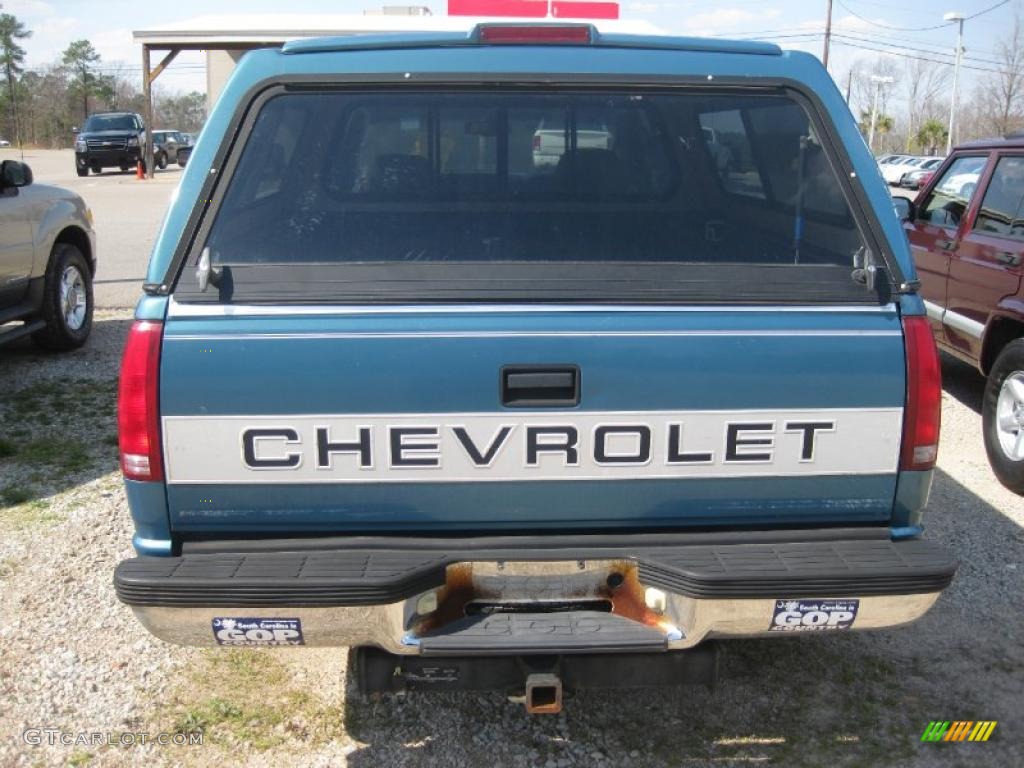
x,y
139,173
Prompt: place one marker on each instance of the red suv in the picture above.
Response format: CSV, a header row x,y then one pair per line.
x,y
966,229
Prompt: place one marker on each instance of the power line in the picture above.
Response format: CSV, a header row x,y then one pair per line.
x,y
914,40
128,70
856,15
762,32
859,37
990,8
789,32
916,29
881,40
890,6
846,42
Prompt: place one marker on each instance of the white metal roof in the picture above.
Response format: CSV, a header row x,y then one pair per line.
x,y
280,27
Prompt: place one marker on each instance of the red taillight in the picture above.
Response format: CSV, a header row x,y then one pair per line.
x,y
138,414
526,34
924,396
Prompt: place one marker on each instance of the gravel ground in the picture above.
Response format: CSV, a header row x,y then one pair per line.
x,y
73,658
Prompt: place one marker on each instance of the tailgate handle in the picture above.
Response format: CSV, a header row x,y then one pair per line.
x,y
524,386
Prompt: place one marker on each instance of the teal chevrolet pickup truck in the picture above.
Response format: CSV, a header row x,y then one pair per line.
x,y
492,422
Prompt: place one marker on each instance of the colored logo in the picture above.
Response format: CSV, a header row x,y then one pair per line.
x,y
959,730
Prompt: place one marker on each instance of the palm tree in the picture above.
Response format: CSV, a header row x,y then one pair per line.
x,y
931,134
12,56
883,123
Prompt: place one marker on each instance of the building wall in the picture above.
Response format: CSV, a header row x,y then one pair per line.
x,y
219,66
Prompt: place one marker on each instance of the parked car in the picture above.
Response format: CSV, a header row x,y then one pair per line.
x,y
963,183
549,143
4,143
916,178
184,153
886,159
47,261
492,423
110,140
170,147
967,232
893,172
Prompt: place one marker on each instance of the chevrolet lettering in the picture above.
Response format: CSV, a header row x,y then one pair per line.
x,y
529,356
483,447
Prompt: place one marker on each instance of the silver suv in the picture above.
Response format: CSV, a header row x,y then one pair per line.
x,y
170,146
47,261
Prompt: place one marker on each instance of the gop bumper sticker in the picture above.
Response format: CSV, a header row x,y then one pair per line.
x,y
813,615
251,631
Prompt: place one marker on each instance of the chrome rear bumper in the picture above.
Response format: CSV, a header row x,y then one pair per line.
x,y
563,606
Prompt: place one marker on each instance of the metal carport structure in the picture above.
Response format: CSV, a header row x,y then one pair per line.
x,y
225,38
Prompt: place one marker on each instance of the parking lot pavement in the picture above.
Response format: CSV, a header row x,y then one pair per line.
x,y
127,215
73,658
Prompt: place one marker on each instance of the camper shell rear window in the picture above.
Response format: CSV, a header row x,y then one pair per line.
x,y
661,195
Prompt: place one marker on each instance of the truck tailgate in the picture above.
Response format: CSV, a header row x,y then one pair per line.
x,y
309,419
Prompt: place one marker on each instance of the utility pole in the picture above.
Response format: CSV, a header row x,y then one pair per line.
x,y
878,80
85,91
959,19
828,35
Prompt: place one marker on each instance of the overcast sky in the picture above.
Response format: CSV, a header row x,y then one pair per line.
x,y
897,26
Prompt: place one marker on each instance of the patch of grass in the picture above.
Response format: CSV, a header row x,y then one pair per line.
x,y
8,566
15,494
26,512
66,455
244,696
45,425
210,713
89,399
844,703
31,397
79,758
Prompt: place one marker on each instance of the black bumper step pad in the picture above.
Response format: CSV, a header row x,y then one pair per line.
x,y
373,576
278,578
542,633
805,569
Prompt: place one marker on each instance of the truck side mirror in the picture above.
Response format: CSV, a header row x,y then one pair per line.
x,y
15,174
904,208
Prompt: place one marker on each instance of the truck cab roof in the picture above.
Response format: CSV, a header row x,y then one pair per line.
x,y
519,33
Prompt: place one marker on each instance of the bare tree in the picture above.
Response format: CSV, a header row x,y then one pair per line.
x,y
999,96
925,84
862,96
862,89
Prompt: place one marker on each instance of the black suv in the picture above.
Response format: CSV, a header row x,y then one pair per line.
x,y
110,140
